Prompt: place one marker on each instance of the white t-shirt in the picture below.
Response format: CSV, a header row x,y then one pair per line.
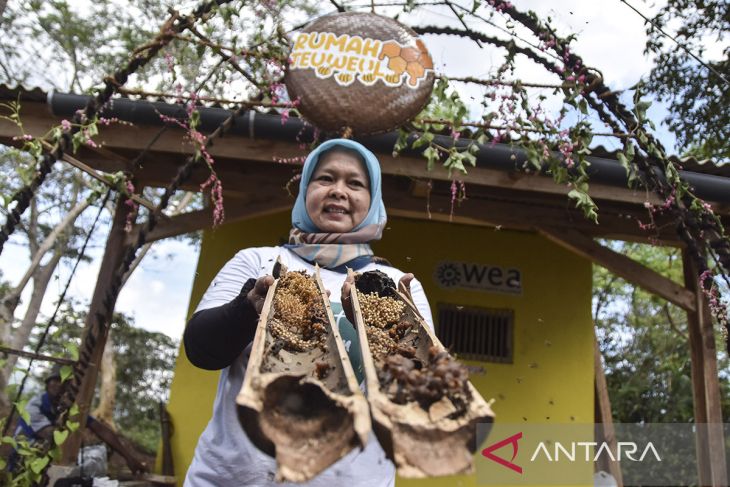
x,y
224,456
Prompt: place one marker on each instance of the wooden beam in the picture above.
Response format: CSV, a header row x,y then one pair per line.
x,y
203,219
99,177
36,356
711,463
622,266
699,404
512,212
137,137
603,406
133,138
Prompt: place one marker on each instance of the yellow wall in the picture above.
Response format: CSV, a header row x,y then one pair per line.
x,y
551,379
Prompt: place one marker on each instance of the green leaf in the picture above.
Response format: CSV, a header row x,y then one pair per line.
x,y
641,108
194,119
39,464
624,161
583,106
630,151
424,139
72,425
59,436
20,405
92,130
73,350
432,155
9,440
66,372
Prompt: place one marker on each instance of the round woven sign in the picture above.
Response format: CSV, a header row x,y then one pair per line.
x,y
360,71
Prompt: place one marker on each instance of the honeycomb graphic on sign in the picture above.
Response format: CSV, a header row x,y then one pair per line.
x,y
414,61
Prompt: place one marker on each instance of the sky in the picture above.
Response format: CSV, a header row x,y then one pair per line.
x,y
610,37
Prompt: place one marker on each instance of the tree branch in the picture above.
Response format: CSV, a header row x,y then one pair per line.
x,y
47,244
672,324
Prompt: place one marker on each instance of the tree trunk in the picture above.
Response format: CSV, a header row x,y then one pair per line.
x,y
40,284
19,336
11,300
108,389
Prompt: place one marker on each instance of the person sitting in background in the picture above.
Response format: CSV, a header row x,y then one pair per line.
x,y
43,412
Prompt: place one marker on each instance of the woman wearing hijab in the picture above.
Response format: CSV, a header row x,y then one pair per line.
x,y
338,211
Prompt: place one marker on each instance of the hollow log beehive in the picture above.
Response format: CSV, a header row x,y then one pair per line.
x,y
300,401
424,410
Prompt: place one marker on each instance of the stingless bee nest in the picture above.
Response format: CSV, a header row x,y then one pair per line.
x,y
407,370
299,314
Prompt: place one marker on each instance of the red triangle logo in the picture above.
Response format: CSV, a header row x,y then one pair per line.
x,y
512,440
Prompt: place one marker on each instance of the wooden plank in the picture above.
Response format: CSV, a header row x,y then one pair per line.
x,y
159,479
166,428
622,266
603,405
702,342
111,260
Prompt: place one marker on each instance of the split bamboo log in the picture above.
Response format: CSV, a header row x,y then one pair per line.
x,y
300,401
424,411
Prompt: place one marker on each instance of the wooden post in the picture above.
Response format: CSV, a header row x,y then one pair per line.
x,y
604,416
711,465
113,254
168,467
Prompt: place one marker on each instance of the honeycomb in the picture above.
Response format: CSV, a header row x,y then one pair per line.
x,y
299,317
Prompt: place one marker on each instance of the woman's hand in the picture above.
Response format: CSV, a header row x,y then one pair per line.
x,y
257,295
405,283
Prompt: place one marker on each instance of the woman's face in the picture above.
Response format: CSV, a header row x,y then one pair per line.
x,y
338,195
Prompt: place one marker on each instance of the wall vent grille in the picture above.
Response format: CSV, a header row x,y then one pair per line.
x,y
476,333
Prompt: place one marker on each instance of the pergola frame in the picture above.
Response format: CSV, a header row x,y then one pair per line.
x,y
253,186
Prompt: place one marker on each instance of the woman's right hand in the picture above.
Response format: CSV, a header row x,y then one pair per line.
x,y
257,295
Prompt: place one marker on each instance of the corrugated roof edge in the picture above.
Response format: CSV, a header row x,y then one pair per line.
x,y
22,93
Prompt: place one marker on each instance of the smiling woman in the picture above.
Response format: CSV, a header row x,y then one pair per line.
x,y
338,211
338,197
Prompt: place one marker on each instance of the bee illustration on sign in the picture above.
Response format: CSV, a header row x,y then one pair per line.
x,y
349,58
